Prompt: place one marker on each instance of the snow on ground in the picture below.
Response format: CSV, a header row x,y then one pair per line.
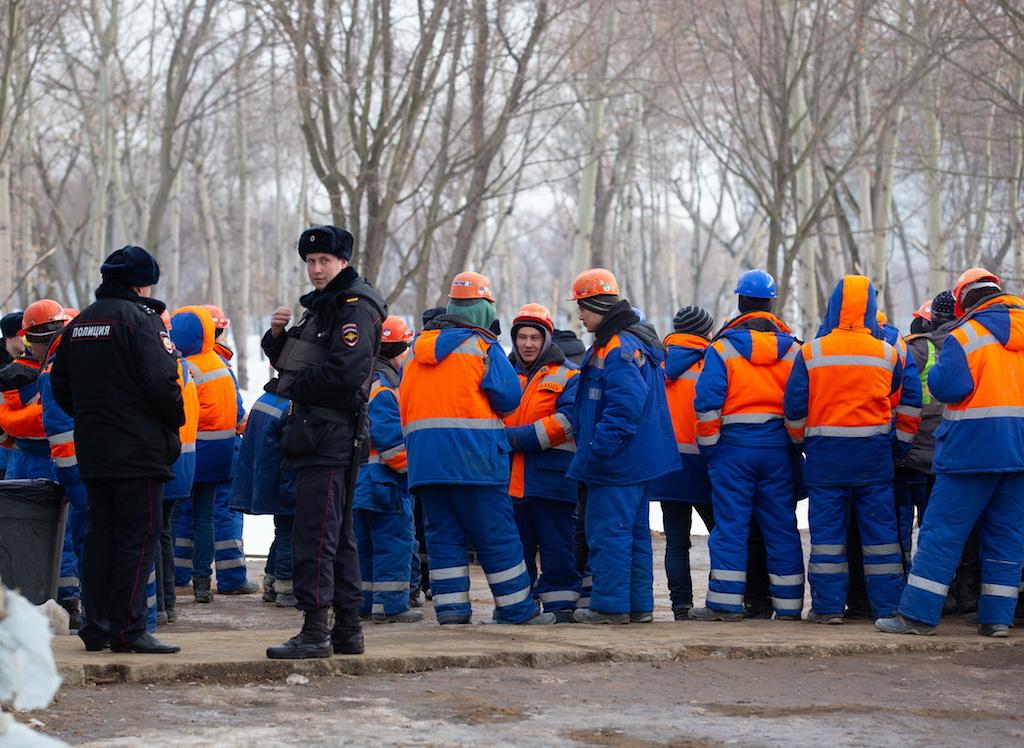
x,y
259,530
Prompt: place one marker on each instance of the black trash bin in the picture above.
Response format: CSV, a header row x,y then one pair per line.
x,y
32,515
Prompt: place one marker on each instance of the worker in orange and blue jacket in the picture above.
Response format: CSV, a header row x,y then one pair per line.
x,y
688,488
740,429
624,440
456,387
13,348
540,432
840,404
220,412
382,506
979,462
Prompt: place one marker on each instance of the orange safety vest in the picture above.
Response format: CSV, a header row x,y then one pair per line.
x,y
680,393
396,457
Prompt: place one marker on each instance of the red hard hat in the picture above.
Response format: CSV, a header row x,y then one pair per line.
x,y
42,312
969,278
924,311
470,285
220,320
394,330
594,282
537,314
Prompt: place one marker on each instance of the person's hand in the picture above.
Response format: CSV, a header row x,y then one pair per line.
x,y
279,320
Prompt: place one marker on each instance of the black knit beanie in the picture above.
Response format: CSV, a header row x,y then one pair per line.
x,y
601,304
693,320
943,306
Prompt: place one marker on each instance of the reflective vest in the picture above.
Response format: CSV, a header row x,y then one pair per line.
x,y
680,393
996,371
59,426
190,398
21,414
394,456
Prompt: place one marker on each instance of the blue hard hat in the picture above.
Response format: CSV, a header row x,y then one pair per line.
x,y
757,284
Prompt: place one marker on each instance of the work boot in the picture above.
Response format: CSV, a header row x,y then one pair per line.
x,y
405,616
172,615
347,634
249,588
998,630
201,589
682,613
541,619
710,614
145,644
284,594
833,619
787,617
312,641
74,613
161,618
858,614
641,616
564,616
756,610
269,591
898,624
589,615
415,599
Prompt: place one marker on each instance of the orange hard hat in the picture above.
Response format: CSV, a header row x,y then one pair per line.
x,y
470,285
71,312
594,282
881,317
537,314
220,320
924,311
42,312
165,317
969,278
394,330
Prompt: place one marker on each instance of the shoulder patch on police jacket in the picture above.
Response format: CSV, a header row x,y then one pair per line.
x,y
167,343
350,334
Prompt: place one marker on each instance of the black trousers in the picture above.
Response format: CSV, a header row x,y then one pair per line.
x,y
125,519
165,597
325,562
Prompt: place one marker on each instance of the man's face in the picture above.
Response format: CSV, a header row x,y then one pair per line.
x,y
14,346
529,342
322,268
591,320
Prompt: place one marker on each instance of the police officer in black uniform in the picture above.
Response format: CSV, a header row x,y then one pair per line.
x,y
325,364
115,373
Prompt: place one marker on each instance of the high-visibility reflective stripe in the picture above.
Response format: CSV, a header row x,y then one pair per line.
x,y
67,582
707,441
997,411
183,542
542,435
785,603
390,586
152,577
848,431
826,568
588,581
569,446
390,454
904,436
65,462
597,363
151,601
192,369
828,550
798,424
908,410
978,342
691,374
687,449
999,590
876,569
210,436
374,459
786,579
451,598
453,423
183,563
564,422
583,602
751,418
728,575
559,596
728,350
913,580
880,550
223,545
367,586
709,415
791,353
188,447
209,376
507,574
849,360
501,601
269,409
377,609
232,563
65,437
450,572
724,598
470,348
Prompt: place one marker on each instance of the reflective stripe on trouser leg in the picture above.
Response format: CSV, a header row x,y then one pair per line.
x,y
392,549
827,570
875,506
181,529
151,601
446,553
68,584
1001,550
586,587
776,516
733,472
364,546
618,565
486,514
558,586
228,552
956,502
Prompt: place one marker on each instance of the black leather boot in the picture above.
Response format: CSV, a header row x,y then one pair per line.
x,y
347,634
201,589
312,641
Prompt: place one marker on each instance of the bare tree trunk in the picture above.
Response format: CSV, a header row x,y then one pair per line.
x,y
1013,190
215,292
933,180
6,238
244,304
175,290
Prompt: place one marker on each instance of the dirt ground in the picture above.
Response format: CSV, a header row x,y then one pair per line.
x,y
907,700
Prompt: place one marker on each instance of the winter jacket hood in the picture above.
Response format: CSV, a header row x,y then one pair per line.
x,y
853,307
192,330
432,348
683,351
